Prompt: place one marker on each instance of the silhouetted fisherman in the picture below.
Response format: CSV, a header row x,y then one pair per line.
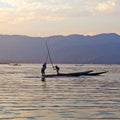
x,y
57,69
43,69
43,72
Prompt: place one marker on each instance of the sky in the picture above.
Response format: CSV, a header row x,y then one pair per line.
x,y
59,17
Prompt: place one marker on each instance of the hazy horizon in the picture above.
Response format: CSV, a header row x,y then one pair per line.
x,y
57,35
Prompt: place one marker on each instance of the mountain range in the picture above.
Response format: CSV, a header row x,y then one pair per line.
x,y
71,49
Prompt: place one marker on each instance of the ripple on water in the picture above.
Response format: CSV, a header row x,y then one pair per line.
x,y
24,97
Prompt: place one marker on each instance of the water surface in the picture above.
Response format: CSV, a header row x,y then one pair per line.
x,y
23,96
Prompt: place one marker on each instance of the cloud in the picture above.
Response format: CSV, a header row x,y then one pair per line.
x,y
13,3
27,10
106,7
20,11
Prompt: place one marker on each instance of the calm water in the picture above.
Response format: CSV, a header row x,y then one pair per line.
x,y
23,96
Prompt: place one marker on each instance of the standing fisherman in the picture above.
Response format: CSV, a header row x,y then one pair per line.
x,y
43,69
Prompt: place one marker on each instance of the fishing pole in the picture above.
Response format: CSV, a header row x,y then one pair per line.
x,y
49,55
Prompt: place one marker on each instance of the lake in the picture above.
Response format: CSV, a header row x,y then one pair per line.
x,y
23,96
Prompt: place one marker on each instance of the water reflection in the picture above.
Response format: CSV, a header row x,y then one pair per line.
x,y
23,96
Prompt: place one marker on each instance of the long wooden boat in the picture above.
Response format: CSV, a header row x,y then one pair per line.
x,y
76,74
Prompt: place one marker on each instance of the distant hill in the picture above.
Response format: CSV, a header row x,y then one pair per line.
x,y
99,49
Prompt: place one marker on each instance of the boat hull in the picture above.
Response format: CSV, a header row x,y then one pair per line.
x,y
96,73
76,74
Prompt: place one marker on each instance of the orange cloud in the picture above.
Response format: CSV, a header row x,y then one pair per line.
x,y
106,6
23,10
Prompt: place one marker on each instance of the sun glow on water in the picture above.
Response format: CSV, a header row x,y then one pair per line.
x,y
24,95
